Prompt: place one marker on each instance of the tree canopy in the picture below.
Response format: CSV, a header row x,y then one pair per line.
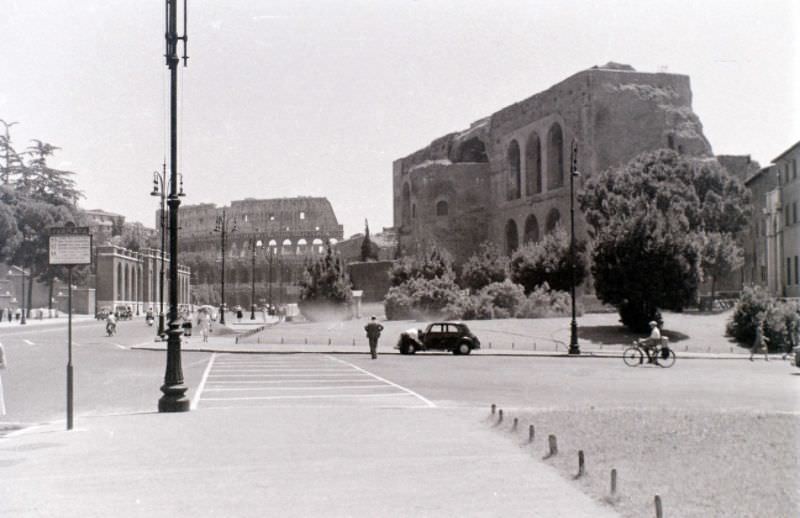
x,y
649,220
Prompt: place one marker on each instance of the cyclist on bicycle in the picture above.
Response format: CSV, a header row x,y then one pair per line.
x,y
652,342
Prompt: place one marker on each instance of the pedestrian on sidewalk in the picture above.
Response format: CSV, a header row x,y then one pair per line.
x,y
2,396
373,329
203,323
760,340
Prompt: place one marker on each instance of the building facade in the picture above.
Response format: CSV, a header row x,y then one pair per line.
x,y
787,199
506,178
133,279
268,244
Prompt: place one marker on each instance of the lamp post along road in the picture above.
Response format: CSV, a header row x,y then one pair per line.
x,y
160,191
573,172
222,228
174,398
255,245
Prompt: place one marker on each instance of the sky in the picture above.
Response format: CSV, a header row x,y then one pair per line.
x,y
318,98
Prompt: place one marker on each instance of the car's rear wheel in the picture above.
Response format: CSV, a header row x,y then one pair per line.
x,y
410,348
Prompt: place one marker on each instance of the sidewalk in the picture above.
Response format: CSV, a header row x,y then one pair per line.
x,y
296,462
227,344
35,322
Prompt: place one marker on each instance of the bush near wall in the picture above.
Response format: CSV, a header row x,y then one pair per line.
x,y
781,319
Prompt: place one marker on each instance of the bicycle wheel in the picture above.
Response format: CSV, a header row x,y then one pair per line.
x,y
665,358
632,356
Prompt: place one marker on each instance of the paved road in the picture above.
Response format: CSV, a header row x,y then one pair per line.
x,y
109,376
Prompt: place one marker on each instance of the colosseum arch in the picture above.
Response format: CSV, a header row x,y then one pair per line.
x,y
512,237
405,209
286,247
272,247
555,157
318,246
531,234
442,208
514,171
533,165
302,246
553,220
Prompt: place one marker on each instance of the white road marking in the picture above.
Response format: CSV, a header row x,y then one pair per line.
x,y
383,385
28,342
425,400
276,376
282,382
196,398
120,346
312,396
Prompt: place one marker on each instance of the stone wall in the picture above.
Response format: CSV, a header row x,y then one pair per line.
x,y
514,165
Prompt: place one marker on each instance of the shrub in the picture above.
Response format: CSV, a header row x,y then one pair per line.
x,y
486,266
543,302
780,319
326,281
548,260
421,298
470,307
428,266
504,298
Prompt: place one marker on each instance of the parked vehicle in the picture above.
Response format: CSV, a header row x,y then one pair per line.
x,y
102,313
441,336
123,312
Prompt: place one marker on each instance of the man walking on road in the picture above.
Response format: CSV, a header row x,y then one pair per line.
x,y
373,329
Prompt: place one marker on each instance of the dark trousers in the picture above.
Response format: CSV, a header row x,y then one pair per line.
x,y
373,347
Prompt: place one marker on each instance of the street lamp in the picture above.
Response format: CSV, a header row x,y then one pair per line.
x,y
174,390
7,169
573,173
222,228
160,191
255,245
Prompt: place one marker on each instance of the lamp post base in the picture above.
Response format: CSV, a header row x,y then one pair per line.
x,y
174,399
573,339
161,324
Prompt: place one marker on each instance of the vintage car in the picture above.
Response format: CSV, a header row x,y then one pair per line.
x,y
440,336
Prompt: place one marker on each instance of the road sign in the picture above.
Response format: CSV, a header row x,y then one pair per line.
x,y
70,246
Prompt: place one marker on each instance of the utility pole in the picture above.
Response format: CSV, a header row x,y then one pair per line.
x,y
174,398
573,172
7,169
222,228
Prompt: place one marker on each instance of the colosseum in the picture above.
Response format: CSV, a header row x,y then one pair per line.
x,y
268,242
505,178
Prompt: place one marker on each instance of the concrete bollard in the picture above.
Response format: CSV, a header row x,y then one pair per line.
x,y
534,346
500,416
494,408
614,482
281,340
305,340
512,345
659,510
490,345
354,342
581,464
553,443
329,341
514,424
686,349
530,433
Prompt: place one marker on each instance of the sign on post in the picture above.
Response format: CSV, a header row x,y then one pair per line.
x,y
70,246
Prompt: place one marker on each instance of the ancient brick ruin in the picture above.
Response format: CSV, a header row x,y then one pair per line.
x,y
505,178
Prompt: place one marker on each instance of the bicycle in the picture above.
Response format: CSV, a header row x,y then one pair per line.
x,y
661,355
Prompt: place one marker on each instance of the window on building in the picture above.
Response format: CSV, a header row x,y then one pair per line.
x,y
794,169
789,271
796,271
513,185
302,215
414,210
787,215
441,208
272,217
794,212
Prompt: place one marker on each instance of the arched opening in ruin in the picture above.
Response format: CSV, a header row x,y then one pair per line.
x,y
533,165
272,247
318,246
513,183
442,208
553,220
120,283
302,246
512,237
287,247
473,150
555,157
405,205
531,230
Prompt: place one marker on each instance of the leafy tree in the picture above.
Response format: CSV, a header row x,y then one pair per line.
x,y
720,255
432,265
781,319
325,280
647,219
421,298
486,266
549,261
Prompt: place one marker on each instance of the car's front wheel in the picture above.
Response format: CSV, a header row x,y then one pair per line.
x,y
463,348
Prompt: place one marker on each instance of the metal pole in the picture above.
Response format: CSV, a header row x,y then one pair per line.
x,y
70,393
573,335
253,281
174,398
270,279
163,247
222,302
22,320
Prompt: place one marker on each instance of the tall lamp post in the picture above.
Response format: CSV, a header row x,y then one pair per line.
x,y
160,191
269,286
222,228
174,398
7,168
573,172
255,245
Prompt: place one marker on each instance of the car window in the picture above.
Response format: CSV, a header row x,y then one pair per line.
x,y
436,328
452,329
